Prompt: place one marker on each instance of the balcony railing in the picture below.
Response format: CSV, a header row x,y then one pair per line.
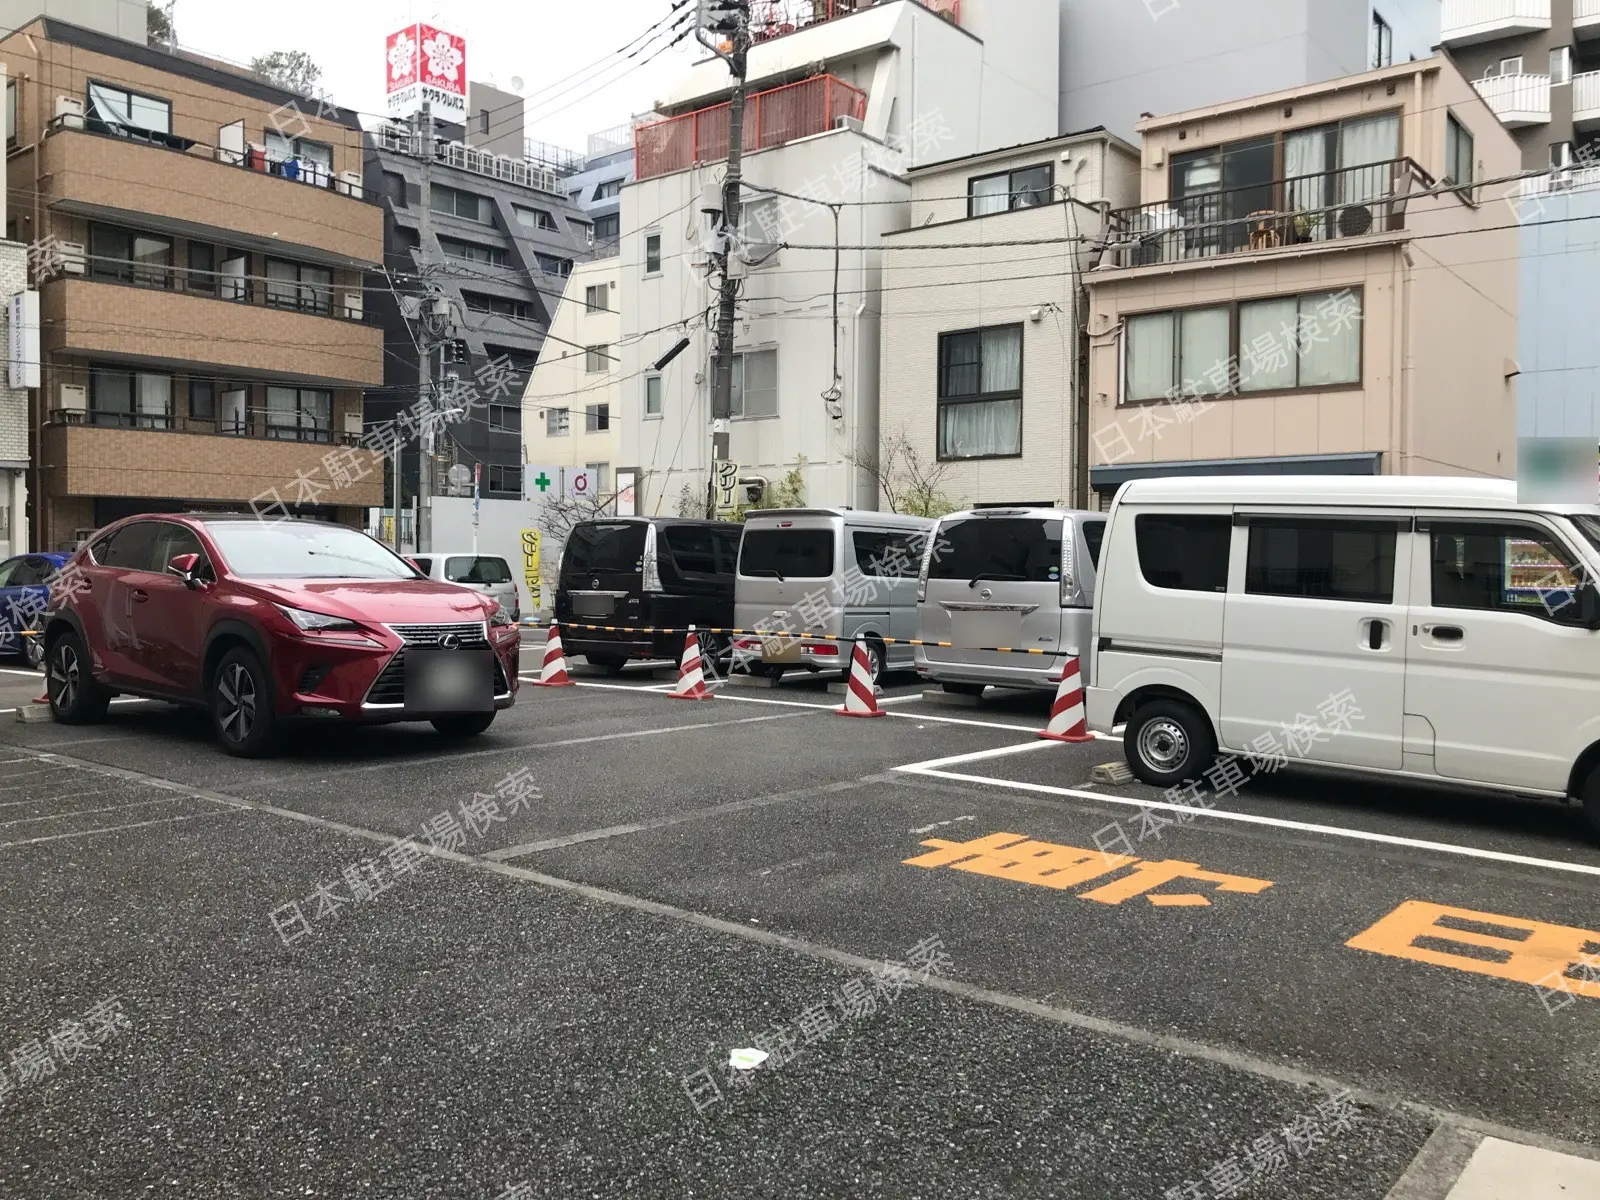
x,y
774,18
254,423
771,118
1350,203
313,298
1517,99
399,140
1462,22
1586,98
1586,17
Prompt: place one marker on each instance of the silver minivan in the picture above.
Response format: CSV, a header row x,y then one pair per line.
x,y
486,573
839,571
1014,577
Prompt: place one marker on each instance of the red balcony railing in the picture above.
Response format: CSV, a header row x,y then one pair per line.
x,y
775,18
771,118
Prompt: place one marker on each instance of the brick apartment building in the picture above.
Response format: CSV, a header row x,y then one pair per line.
x,y
199,240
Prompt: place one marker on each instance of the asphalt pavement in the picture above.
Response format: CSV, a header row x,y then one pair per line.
x,y
384,964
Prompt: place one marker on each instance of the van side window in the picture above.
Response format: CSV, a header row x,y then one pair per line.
x,y
1325,560
894,555
1503,568
1186,554
1094,533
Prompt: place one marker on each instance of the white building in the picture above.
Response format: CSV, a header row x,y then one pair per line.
x,y
983,394
903,84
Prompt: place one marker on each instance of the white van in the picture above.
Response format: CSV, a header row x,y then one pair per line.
x,y
1428,628
1019,577
841,571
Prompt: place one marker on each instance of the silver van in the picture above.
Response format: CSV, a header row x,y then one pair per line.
x,y
486,573
1018,577
835,571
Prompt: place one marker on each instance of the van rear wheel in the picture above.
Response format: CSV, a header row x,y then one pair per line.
x,y
1591,801
1168,742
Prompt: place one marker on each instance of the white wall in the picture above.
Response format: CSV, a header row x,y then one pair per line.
x,y
499,532
561,378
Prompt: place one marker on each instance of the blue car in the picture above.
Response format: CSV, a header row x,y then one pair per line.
x,y
24,593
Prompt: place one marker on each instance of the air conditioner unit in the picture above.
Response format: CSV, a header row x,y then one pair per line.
x,y
73,259
350,183
352,425
72,404
352,305
69,112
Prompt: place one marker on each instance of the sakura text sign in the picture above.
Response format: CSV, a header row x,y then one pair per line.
x,y
427,64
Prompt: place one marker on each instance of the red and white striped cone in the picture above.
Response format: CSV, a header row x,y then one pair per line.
x,y
860,698
1068,721
555,662
691,683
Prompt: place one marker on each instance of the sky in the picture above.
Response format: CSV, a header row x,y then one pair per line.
x,y
549,45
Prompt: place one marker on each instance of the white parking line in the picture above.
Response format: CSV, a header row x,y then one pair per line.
x,y
933,770
84,812
61,837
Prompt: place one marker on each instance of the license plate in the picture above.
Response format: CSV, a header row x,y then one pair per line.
x,y
449,681
593,606
971,630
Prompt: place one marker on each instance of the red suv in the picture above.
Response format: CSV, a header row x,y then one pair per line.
x,y
259,621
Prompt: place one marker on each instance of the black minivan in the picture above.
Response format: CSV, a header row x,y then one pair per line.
x,y
639,573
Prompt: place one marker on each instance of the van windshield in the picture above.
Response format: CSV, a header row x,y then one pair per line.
x,y
613,547
1008,549
787,553
480,569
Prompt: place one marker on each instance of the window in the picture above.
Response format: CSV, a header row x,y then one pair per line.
x,y
520,361
608,190
468,205
652,253
1503,568
598,473
596,359
1314,352
299,414
505,480
293,285
701,549
123,256
1560,155
1560,65
1321,559
202,277
202,400
303,550
394,188
1458,156
505,418
133,547
980,393
597,418
1511,66
1174,352
1011,549
787,553
314,159
499,305
549,264
479,569
608,229
582,230
483,121
755,384
1188,554
597,298
652,395
613,547
535,218
555,422
1026,187
172,540
133,400
888,555
492,256
761,227
121,110
11,112
1382,44
1094,533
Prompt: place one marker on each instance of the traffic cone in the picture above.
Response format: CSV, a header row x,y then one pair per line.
x,y
860,699
1068,722
555,662
691,680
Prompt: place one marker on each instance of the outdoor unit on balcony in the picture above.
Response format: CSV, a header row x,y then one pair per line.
x,y
352,305
350,183
72,404
352,427
69,112
73,260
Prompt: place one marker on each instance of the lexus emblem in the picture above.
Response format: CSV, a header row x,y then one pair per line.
x,y
450,641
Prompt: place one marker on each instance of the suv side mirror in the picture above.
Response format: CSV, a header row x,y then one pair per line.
x,y
185,567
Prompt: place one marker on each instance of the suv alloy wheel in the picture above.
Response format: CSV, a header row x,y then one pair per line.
x,y
241,705
75,698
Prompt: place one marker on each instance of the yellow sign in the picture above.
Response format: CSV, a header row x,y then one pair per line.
x,y
1524,951
1013,857
530,566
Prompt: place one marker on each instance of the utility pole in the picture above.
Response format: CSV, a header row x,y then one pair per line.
x,y
424,531
723,26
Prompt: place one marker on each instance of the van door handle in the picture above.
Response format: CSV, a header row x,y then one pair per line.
x,y
1375,634
1445,633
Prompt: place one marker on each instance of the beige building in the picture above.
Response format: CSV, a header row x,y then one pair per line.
x,y
1311,284
572,405
980,375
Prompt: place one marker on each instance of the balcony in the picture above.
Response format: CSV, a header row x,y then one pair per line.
x,y
776,18
1586,18
101,460
152,322
1352,203
1518,100
397,139
1586,100
771,118
1463,22
102,175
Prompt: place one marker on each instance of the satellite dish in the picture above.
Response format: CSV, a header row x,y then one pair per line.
x,y
460,475
516,84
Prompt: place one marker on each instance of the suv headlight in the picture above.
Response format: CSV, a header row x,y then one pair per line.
x,y
316,621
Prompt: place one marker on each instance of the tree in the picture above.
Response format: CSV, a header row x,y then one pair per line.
x,y
292,70
158,23
908,482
